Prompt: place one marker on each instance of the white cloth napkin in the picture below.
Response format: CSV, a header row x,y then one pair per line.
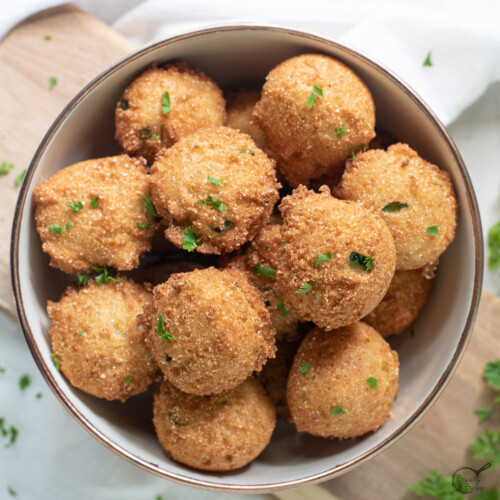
x,y
53,458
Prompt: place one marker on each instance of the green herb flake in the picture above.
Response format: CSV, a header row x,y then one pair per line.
x,y
305,288
247,152
304,368
483,414
359,261
372,382
104,275
47,37
127,382
52,82
55,228
12,492
81,332
156,137
428,61
323,258
492,374
338,410
160,329
13,436
215,203
20,178
124,105
144,225
150,208
494,247
264,271
5,168
2,369
215,182
433,230
228,224
75,206
145,133
165,103
55,361
315,92
96,364
437,183
39,395
190,240
487,445
80,279
68,226
395,206
340,132
24,382
94,201
284,311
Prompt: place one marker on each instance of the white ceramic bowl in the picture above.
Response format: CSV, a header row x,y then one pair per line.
x,y
236,56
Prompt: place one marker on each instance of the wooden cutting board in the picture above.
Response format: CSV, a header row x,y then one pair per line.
x,y
73,47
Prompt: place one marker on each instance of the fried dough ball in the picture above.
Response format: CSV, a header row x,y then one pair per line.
x,y
260,262
97,342
164,104
208,330
336,261
315,111
89,214
415,198
216,187
402,303
343,383
220,432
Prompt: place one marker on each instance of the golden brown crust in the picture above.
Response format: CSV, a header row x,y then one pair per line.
x,y
181,189
316,223
95,337
314,141
195,100
221,327
104,236
377,178
221,432
339,366
401,304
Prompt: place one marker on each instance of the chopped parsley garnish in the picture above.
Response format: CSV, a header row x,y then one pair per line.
x,y
39,395
246,251
160,329
248,152
372,382
55,361
156,137
20,178
494,246
340,132
264,271
75,206
12,491
304,368
52,82
47,37
144,225
190,240
483,414
433,230
323,258
104,275
81,332
215,203
359,261
284,311
395,206
96,364
228,224
150,208
338,410
145,133
127,382
68,225
315,92
24,382
487,445
215,182
437,184
124,105
2,369
94,201
13,436
306,287
80,278
428,61
55,228
165,103
5,168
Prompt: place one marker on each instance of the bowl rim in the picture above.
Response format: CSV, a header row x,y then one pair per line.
x,y
339,468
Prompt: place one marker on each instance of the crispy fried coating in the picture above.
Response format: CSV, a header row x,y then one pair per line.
x,y
108,235
220,432
314,138
97,341
216,330
378,178
402,303
358,258
144,123
217,183
342,383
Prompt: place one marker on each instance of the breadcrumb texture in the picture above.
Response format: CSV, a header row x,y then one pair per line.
x,y
221,432
377,178
196,102
95,337
221,327
181,188
340,364
104,236
407,295
316,223
314,141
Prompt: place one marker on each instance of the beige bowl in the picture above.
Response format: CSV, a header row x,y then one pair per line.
x,y
237,56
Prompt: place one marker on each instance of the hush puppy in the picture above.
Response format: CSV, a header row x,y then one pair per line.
x,y
220,432
208,330
95,213
343,383
315,111
215,188
164,104
95,338
415,198
336,261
